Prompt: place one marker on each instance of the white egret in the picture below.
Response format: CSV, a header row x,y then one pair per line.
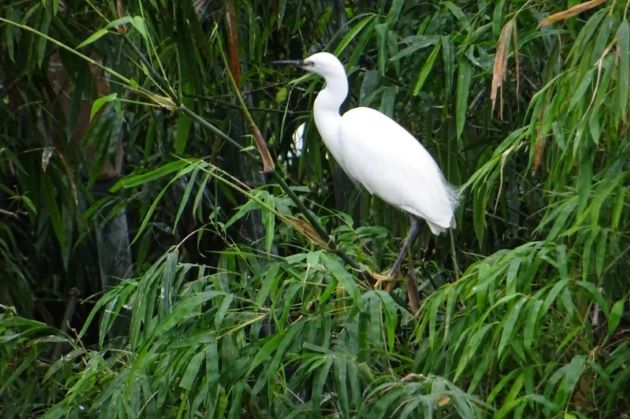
x,y
380,154
298,139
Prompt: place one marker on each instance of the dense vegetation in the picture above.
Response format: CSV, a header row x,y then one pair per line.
x,y
151,264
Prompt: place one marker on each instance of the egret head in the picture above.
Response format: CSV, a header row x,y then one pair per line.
x,y
323,63
330,68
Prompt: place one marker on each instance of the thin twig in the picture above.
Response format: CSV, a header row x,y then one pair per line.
x,y
8,213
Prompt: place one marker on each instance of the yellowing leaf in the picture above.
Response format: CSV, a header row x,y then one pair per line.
x,y
500,63
307,230
570,12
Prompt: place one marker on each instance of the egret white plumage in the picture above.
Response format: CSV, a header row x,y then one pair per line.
x,y
380,154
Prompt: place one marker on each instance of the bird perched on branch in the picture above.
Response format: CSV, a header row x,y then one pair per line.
x,y
380,154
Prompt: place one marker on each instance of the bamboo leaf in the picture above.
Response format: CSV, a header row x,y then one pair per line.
x,y
140,179
100,102
191,372
185,197
580,91
508,325
464,76
614,317
319,382
139,24
342,276
416,43
119,22
280,349
623,51
394,12
185,308
552,295
426,69
264,353
459,15
530,324
93,38
448,57
269,221
435,303
570,374
341,378
511,400
471,349
349,37
600,252
222,311
271,278
381,30
184,125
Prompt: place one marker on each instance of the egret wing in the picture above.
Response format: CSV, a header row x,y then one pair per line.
x,y
390,163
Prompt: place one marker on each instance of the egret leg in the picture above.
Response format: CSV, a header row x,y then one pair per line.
x,y
414,230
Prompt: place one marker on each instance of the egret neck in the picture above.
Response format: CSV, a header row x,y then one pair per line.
x,y
326,110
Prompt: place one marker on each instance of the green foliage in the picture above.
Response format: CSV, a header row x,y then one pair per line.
x,y
245,297
23,343
249,339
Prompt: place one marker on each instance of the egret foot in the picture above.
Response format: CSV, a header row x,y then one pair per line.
x,y
384,278
391,277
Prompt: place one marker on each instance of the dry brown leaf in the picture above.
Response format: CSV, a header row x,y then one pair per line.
x,y
307,230
263,151
570,12
539,152
232,35
412,294
500,63
120,12
412,376
162,101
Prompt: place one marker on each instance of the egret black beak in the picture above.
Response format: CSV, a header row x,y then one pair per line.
x,y
297,63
